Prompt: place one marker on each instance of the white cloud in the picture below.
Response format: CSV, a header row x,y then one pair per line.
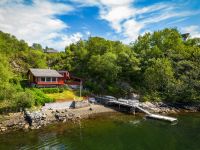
x,y
193,30
129,20
132,28
115,15
115,12
165,16
36,23
64,40
152,8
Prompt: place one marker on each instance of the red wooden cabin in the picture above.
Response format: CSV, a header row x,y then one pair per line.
x,y
51,78
45,78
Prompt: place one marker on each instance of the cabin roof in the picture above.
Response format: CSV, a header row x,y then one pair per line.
x,y
44,72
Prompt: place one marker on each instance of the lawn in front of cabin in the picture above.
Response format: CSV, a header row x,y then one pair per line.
x,y
66,95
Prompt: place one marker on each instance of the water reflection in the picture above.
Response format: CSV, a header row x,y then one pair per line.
x,y
46,141
111,132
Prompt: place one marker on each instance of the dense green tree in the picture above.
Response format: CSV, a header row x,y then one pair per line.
x,y
104,64
169,65
159,74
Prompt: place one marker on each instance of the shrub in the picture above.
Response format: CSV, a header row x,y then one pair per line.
x,y
24,99
40,97
151,96
66,87
61,90
7,92
86,93
12,99
83,92
52,90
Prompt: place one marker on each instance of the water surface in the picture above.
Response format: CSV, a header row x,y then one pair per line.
x,y
111,132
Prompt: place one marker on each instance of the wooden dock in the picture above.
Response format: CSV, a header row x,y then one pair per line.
x,y
161,117
136,104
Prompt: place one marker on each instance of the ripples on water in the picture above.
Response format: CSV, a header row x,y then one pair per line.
x,y
47,141
110,132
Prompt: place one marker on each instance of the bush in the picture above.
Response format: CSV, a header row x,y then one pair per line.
x,y
24,99
40,97
7,92
83,92
52,90
151,96
14,98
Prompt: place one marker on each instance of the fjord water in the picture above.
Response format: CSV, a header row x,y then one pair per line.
x,y
111,132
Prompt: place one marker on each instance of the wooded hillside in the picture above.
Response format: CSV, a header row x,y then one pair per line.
x,y
158,66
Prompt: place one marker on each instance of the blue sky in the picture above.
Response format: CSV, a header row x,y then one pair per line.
x,y
58,23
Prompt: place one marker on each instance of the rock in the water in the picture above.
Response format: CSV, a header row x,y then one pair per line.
x,y
26,126
3,129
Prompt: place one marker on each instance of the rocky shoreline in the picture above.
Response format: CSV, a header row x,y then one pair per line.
x,y
170,108
34,120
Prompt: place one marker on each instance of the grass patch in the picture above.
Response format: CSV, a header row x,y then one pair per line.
x,y
66,95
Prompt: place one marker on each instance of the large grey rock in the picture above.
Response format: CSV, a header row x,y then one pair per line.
x,y
80,104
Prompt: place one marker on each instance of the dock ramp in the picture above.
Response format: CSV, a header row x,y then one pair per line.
x,y
136,104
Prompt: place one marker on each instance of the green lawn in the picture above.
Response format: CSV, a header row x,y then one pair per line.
x,y
67,95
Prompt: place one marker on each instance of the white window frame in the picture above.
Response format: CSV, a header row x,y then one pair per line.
x,y
39,79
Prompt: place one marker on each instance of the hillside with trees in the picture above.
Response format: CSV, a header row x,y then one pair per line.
x,y
160,66
169,66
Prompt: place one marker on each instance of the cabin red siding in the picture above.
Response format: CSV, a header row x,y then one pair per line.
x,y
50,83
66,79
65,75
36,80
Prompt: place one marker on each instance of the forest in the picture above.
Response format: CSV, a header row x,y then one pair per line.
x,y
160,66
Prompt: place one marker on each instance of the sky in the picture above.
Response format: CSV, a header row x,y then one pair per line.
x,y
58,23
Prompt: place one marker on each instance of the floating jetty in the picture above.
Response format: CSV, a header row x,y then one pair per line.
x,y
160,117
135,104
157,116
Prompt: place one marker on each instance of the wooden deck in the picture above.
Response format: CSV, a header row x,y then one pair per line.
x,y
136,104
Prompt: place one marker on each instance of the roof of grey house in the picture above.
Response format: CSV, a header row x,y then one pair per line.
x,y
51,51
44,73
185,34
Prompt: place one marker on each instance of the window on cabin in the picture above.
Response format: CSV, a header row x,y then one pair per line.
x,y
48,79
53,79
43,79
